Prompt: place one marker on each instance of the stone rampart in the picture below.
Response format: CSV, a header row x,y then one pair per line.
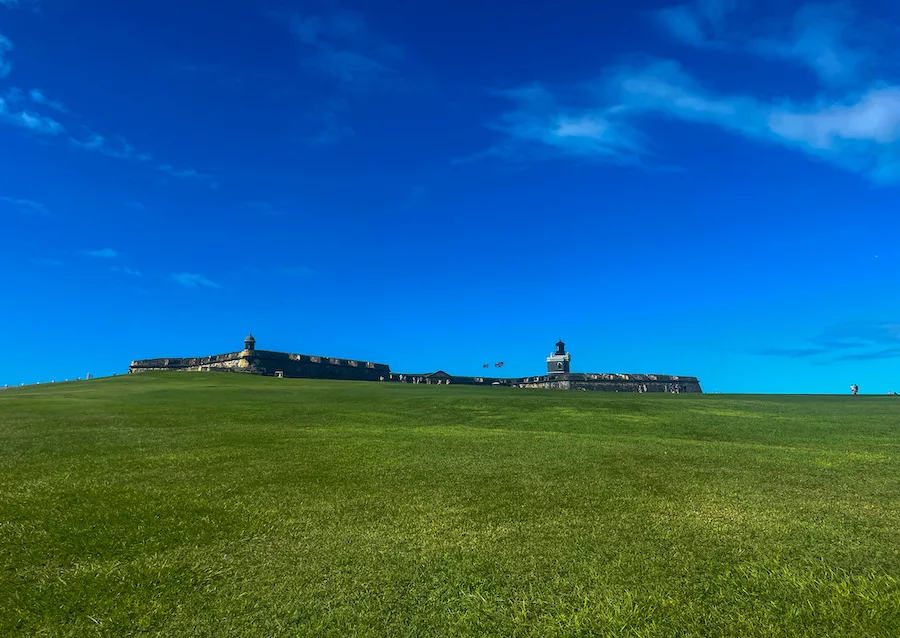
x,y
314,367
270,363
605,382
303,366
219,361
613,382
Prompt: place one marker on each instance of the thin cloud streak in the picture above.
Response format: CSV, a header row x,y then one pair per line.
x,y
540,125
701,23
117,148
830,39
887,353
121,149
5,47
102,253
38,97
860,134
188,173
30,121
861,333
125,270
27,206
193,280
854,341
793,353
827,39
343,46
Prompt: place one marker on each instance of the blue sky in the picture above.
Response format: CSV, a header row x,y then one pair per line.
x,y
705,188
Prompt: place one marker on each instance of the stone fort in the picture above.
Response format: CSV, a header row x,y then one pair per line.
x,y
303,366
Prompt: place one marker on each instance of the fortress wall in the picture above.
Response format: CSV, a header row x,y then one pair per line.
x,y
606,386
591,382
612,382
303,366
220,361
267,363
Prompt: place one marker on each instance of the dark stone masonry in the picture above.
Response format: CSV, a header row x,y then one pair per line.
x,y
302,366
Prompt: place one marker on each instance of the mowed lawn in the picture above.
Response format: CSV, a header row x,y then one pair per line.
x,y
184,504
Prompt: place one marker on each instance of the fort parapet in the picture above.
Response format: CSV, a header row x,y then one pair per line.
x,y
269,363
614,382
302,366
599,382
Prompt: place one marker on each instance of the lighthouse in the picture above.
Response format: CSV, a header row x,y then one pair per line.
x,y
558,362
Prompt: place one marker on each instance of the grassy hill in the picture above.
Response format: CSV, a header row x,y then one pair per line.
x,y
225,505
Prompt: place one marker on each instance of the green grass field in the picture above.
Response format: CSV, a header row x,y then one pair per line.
x,y
226,505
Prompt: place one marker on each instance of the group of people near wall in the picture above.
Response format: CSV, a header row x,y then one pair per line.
x,y
674,388
403,378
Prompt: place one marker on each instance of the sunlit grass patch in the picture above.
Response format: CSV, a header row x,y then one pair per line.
x,y
218,504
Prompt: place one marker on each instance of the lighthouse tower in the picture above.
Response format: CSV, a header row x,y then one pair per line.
x,y
558,362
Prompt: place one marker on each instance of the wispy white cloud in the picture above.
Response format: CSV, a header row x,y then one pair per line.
x,y
38,97
831,39
540,123
342,45
345,49
189,173
27,206
860,133
183,173
30,121
125,270
884,353
5,66
852,341
119,148
102,253
14,96
15,3
701,23
13,112
792,353
332,131
850,120
193,280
